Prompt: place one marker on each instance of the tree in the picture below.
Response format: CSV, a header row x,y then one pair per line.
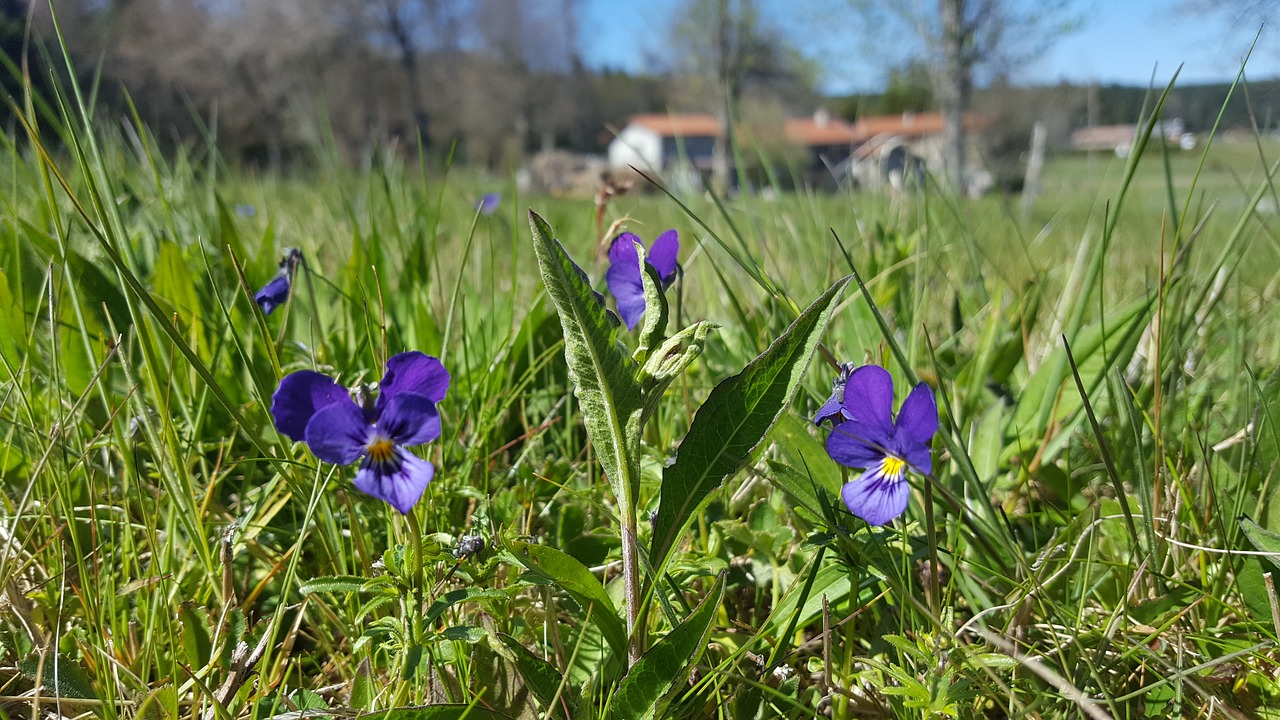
x,y
909,89
959,38
412,28
742,53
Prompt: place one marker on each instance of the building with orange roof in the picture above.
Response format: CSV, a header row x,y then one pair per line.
x,y
661,142
899,150
828,139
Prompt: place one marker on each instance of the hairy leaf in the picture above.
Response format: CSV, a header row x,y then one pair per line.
x,y
668,360
655,306
337,584
602,373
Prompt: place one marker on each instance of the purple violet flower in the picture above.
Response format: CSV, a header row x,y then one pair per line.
x,y
311,407
623,277
871,439
833,409
275,292
488,204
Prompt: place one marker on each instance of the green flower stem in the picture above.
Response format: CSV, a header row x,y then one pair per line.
x,y
415,563
631,582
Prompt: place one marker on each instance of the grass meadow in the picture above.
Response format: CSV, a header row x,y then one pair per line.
x,y
1096,538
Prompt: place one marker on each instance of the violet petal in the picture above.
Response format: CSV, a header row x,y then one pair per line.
x,y
830,410
400,483
918,416
663,256
919,457
300,396
488,204
338,433
409,419
623,279
274,293
857,445
413,372
868,399
875,498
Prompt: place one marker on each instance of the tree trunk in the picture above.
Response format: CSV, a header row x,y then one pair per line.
x,y
1035,164
409,61
400,31
724,61
954,88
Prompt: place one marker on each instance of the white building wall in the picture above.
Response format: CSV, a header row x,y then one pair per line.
x,y
638,146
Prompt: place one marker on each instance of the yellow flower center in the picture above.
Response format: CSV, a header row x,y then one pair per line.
x,y
381,450
894,467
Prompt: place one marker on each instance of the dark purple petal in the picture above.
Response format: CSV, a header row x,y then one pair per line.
x,y
413,372
868,399
338,433
830,410
274,293
623,279
400,482
300,396
663,256
409,419
833,408
875,498
918,416
856,445
919,458
488,204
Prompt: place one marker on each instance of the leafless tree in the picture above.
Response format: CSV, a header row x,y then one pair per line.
x,y
958,37
724,47
413,29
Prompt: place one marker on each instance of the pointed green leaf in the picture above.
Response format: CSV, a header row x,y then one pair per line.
x,y
1262,539
647,689
574,578
602,373
334,584
159,704
363,690
1266,439
809,475
542,679
655,306
58,676
460,595
802,487
734,421
13,326
174,282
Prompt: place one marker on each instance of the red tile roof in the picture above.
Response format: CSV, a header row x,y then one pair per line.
x,y
811,132
1103,137
678,125
908,124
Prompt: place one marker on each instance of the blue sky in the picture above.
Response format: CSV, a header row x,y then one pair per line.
x,y
1118,41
